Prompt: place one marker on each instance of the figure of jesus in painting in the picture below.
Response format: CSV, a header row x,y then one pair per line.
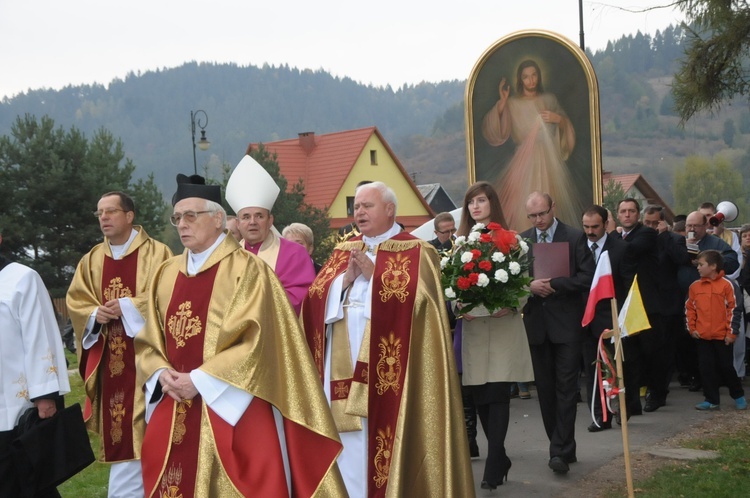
x,y
544,138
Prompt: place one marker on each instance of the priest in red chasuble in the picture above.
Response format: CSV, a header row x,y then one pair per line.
x,y
234,407
107,302
376,322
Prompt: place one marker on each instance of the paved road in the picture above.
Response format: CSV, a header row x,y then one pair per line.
x,y
528,447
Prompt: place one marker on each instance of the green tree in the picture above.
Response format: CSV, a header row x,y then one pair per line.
x,y
702,180
714,67
51,182
613,193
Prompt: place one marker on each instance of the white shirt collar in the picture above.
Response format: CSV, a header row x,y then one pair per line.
x,y
599,243
118,251
371,242
550,231
196,261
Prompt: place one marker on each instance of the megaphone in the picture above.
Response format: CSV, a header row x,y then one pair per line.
x,y
725,211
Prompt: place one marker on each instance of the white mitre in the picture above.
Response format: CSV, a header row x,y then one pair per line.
x,y
251,186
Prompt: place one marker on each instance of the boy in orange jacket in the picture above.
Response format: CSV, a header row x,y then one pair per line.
x,y
714,319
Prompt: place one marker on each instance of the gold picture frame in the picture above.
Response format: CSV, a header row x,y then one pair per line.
x,y
517,146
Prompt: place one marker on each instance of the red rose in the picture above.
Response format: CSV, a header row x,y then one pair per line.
x,y
494,226
476,253
463,283
485,265
485,237
504,240
473,278
469,266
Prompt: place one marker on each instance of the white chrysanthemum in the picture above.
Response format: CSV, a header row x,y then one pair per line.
x,y
483,280
501,276
459,240
450,293
477,227
474,236
524,246
444,262
514,268
466,257
498,257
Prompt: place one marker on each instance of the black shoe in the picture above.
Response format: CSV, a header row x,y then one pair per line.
x,y
570,459
473,449
487,485
653,404
558,465
599,425
695,386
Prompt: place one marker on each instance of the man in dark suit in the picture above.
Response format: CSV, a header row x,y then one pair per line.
x,y
552,317
594,226
643,365
672,254
445,229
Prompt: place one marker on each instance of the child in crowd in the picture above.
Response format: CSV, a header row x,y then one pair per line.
x,y
714,319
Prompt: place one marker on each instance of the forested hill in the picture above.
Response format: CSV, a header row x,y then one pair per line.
x,y
150,113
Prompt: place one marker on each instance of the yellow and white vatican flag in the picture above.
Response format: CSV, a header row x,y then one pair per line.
x,y
632,317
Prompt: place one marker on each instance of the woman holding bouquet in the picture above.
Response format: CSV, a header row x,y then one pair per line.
x,y
495,350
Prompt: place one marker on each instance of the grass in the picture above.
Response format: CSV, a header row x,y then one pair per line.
x,y
725,477
92,481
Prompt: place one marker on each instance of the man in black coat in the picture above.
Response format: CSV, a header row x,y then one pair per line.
x,y
552,317
594,226
643,364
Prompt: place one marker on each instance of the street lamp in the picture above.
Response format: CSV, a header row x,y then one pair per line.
x,y
203,143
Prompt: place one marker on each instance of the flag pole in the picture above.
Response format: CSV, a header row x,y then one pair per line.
x,y
621,396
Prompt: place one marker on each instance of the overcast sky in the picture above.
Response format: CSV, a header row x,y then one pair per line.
x,y
53,43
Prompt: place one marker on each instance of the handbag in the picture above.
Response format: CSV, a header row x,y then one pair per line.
x,y
48,452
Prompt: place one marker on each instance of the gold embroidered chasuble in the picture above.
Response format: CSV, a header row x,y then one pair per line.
x,y
86,293
425,453
252,341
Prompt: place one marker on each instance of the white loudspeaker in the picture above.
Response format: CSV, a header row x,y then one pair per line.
x,y
725,211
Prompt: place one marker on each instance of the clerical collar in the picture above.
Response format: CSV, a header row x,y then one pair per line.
x,y
118,251
371,242
550,231
196,261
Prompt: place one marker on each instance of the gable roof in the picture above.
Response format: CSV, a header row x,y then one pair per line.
x,y
629,181
324,162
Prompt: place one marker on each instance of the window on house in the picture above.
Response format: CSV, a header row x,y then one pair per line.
x,y
374,157
350,206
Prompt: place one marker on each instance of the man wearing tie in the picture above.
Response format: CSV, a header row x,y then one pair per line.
x,y
594,222
552,317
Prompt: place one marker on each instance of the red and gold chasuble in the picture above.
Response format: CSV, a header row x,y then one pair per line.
x,y
379,374
112,359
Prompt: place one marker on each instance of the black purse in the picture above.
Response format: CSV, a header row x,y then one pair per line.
x,y
48,452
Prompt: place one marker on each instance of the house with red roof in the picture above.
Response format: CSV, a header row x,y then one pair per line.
x,y
638,188
331,166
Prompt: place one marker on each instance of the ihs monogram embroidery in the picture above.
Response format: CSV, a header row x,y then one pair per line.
x,y
183,325
389,364
395,278
116,290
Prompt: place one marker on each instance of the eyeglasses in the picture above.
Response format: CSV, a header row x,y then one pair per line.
x,y
188,216
108,212
534,216
446,232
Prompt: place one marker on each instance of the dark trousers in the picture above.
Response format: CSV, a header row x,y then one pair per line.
x,y
716,361
657,354
556,374
470,411
686,355
633,368
492,401
590,345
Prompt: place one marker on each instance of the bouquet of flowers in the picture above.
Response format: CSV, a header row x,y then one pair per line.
x,y
488,268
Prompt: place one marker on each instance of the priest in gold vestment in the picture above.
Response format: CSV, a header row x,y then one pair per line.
x,y
234,407
107,301
377,325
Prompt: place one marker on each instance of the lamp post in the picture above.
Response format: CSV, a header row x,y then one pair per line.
x,y
203,143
